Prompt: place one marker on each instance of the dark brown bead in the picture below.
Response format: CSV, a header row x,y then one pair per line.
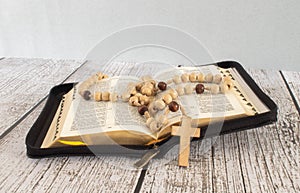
x,y
87,95
162,85
173,106
142,109
199,88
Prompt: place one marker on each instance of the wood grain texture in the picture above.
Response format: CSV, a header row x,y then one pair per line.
x,y
25,82
279,143
264,159
166,176
259,160
66,174
293,80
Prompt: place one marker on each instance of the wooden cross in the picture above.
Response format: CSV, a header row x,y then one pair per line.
x,y
185,132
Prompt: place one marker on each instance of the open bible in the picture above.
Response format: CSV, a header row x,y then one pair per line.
x,y
78,122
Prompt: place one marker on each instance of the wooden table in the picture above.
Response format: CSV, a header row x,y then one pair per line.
x,y
264,159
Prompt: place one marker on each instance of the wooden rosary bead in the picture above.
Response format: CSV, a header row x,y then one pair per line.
x,y
173,94
87,95
167,98
105,96
177,79
209,77
149,85
185,77
153,82
133,100
199,88
138,94
223,88
147,91
137,104
217,78
193,77
200,77
97,96
113,97
188,89
173,106
215,89
147,115
149,121
159,104
99,75
162,86
229,84
226,78
142,109
144,100
180,90
154,126
152,109
207,87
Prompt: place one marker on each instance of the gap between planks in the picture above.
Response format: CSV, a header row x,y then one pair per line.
x,y
292,81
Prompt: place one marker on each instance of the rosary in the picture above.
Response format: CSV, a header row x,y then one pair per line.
x,y
142,95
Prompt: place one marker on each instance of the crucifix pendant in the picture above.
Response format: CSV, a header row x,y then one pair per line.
x,y
185,132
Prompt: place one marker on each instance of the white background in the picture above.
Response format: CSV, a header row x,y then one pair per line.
x,y
257,33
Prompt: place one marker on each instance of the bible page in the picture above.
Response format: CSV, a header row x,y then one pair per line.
x,y
91,117
206,105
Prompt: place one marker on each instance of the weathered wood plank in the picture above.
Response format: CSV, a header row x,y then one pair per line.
x,y
89,174
293,80
70,174
273,149
259,160
25,82
166,176
260,170
219,172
